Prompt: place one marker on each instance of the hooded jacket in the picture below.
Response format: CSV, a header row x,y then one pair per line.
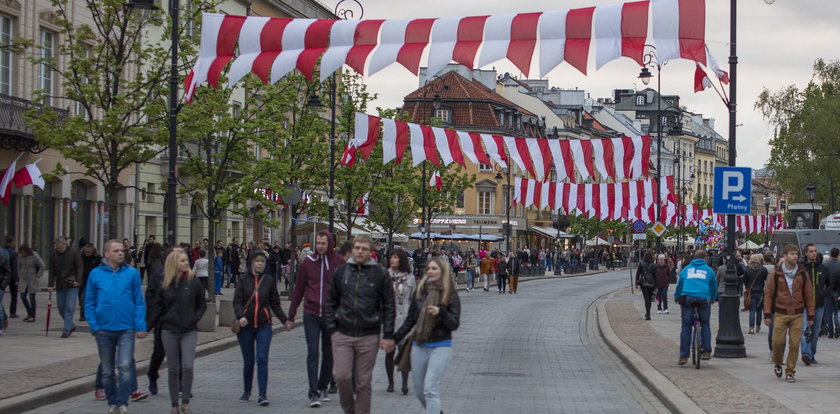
x,y
697,280
313,280
266,300
114,299
820,279
179,307
361,300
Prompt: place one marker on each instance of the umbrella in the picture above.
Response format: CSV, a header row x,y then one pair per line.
x,y
49,311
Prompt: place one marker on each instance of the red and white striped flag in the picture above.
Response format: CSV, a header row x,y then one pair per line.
x,y
362,209
29,175
6,181
436,182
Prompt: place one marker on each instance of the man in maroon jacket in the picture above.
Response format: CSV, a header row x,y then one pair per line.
x,y
312,286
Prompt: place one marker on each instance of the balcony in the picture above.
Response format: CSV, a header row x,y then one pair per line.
x,y
14,133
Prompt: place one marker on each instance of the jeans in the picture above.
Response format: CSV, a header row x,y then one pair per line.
x,y
704,309
662,295
217,282
647,293
81,301
100,386
67,307
181,350
829,316
549,264
502,280
248,337
28,300
116,351
810,348
470,278
756,309
427,368
315,330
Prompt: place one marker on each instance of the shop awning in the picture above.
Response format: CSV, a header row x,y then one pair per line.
x,y
550,232
484,237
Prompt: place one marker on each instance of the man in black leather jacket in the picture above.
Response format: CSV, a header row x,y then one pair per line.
x,y
360,305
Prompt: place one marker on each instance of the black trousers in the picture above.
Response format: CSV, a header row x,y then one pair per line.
x,y
157,356
648,295
13,290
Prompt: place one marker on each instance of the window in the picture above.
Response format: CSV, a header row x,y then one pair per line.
x,y
150,192
236,109
640,100
663,120
47,42
85,53
459,201
443,115
5,55
485,202
484,168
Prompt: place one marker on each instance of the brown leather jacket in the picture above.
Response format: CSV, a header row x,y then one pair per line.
x,y
779,299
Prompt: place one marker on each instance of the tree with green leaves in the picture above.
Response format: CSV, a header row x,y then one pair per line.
x,y
805,145
118,81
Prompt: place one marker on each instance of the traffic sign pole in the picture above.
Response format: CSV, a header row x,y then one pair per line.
x,y
730,339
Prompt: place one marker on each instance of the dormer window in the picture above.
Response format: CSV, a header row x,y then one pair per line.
x,y
640,100
444,115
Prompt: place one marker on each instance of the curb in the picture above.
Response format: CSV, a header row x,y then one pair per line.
x,y
670,395
56,393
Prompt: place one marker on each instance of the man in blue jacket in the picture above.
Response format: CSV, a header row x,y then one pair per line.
x,y
696,288
116,313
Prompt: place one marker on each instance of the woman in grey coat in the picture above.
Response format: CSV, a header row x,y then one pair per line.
x,y
30,269
403,280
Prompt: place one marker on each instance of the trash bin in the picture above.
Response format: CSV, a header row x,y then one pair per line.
x,y
593,264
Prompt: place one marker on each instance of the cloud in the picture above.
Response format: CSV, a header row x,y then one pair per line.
x,y
777,46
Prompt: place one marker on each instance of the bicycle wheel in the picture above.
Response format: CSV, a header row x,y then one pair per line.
x,y
697,347
694,356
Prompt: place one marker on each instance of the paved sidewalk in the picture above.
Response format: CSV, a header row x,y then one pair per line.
x,y
726,385
34,367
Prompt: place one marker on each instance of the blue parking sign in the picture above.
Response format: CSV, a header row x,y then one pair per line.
x,y
733,190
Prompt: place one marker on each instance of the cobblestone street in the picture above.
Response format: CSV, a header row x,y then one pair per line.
x,y
534,352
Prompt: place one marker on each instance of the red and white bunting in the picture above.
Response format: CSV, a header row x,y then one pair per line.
x,y
272,47
613,159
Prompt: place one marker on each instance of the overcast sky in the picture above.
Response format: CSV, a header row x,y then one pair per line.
x,y
778,44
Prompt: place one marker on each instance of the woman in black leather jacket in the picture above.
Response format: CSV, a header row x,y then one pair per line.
x,y
434,314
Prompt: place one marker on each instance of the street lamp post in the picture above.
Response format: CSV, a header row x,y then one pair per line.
x,y
650,59
767,213
811,190
507,227
171,179
730,339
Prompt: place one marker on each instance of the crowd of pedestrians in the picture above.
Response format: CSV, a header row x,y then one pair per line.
x,y
794,294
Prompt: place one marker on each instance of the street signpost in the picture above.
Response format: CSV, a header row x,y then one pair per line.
x,y
639,226
639,236
733,190
658,229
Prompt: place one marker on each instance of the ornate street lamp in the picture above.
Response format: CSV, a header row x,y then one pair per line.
x,y
650,59
811,190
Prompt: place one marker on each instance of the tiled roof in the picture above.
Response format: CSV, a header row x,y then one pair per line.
x,y
457,87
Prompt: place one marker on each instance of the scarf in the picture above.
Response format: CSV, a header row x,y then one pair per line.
x,y
427,322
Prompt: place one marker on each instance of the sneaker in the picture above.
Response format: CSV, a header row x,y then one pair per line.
x,y
325,396
99,395
705,356
659,312
333,389
758,329
122,410
315,401
666,311
778,371
806,359
153,388
138,395
682,361
814,361
263,402
751,331
790,378
112,409
245,397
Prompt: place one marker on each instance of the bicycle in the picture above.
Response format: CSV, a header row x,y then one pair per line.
x,y
696,343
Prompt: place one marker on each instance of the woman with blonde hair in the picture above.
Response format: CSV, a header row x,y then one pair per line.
x,y
434,314
178,306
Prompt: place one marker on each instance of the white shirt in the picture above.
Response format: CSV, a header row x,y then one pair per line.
x,y
201,268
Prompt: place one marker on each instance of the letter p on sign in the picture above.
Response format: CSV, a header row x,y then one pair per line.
x,y
733,182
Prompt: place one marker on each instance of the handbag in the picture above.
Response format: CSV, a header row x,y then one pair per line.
x,y
404,355
234,325
748,295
